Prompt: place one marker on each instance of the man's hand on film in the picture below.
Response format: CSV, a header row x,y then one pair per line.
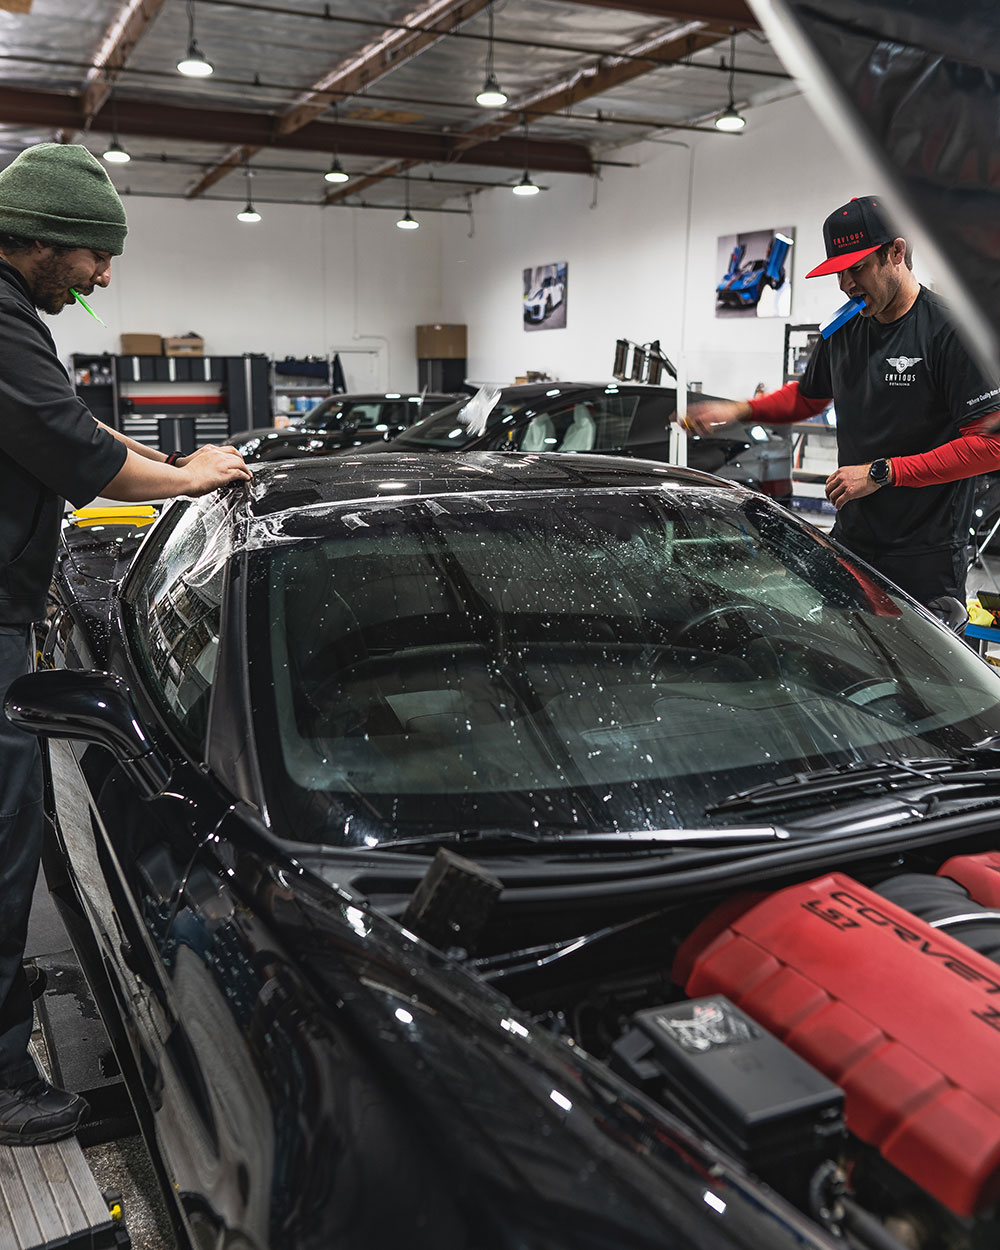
x,y
211,467
183,461
850,481
713,415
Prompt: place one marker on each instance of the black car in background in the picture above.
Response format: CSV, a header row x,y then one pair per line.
x,y
340,421
605,419
536,851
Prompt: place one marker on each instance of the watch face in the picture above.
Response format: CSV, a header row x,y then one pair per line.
x,y
879,472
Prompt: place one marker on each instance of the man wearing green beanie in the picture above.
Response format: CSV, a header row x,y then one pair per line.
x,y
61,222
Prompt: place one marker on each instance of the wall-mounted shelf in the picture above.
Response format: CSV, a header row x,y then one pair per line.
x,y
307,379
814,458
800,341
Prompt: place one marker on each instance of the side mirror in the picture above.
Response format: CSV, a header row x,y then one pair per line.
x,y
87,707
950,612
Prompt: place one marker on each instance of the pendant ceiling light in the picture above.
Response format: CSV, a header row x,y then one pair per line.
x,y
526,186
407,221
248,214
195,64
115,153
729,119
336,172
492,95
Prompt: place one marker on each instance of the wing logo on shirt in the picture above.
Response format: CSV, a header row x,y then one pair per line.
x,y
902,363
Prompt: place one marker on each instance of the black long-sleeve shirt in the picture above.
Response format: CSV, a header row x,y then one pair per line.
x,y
51,449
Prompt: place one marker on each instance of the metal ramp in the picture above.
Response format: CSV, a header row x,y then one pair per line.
x,y
49,1198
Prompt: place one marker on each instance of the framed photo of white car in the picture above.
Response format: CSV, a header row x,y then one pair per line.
x,y
544,296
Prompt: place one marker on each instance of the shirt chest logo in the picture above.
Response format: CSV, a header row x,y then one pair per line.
x,y
903,366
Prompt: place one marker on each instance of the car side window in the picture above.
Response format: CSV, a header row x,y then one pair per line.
x,y
601,423
178,609
393,413
364,415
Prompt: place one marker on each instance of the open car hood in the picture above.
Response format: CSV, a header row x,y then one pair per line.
x,y
911,88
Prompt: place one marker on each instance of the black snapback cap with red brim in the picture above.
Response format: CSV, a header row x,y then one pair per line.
x,y
851,233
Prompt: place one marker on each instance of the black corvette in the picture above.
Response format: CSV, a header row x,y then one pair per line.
x,y
528,851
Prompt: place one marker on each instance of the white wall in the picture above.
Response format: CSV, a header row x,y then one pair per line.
x,y
642,263
302,281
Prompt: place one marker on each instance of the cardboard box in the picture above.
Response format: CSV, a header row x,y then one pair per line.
x,y
141,345
441,342
188,345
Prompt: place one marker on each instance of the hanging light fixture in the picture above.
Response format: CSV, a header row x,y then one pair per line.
x,y
525,186
407,221
115,154
195,64
249,213
336,172
729,119
492,95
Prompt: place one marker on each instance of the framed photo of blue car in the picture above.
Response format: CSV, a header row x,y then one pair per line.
x,y
755,273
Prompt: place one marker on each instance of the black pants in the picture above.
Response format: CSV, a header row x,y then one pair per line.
x,y
20,852
926,576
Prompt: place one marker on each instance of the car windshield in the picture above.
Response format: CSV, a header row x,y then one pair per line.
x,y
589,662
444,429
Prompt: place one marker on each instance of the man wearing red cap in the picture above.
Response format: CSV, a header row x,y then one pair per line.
x,y
914,411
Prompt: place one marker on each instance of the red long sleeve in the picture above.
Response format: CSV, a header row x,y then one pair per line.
x,y
786,405
966,456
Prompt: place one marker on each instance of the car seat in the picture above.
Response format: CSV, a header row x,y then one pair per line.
x,y
538,432
582,432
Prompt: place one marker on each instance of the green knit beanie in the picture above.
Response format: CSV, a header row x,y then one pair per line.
x,y
59,193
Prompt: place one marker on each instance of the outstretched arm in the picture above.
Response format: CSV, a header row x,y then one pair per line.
x,y
141,478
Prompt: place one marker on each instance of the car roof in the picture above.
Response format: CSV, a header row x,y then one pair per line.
x,y
395,474
361,396
525,392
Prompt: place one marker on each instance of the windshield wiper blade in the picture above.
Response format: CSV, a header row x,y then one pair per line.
x,y
619,839
857,775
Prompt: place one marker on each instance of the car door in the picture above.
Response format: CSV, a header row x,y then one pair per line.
x,y
147,869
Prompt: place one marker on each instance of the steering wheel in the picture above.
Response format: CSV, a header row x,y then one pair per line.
x,y
737,618
870,691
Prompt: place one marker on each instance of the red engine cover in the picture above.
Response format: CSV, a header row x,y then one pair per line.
x,y
904,1018
980,874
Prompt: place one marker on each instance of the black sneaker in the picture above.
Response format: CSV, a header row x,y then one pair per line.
x,y
37,1112
37,979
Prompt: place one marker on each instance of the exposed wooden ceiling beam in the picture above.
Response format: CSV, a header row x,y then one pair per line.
x,y
716,12
119,43
670,45
391,49
662,48
385,54
257,130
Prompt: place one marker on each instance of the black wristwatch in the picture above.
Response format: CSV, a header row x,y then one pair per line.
x,y
880,472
